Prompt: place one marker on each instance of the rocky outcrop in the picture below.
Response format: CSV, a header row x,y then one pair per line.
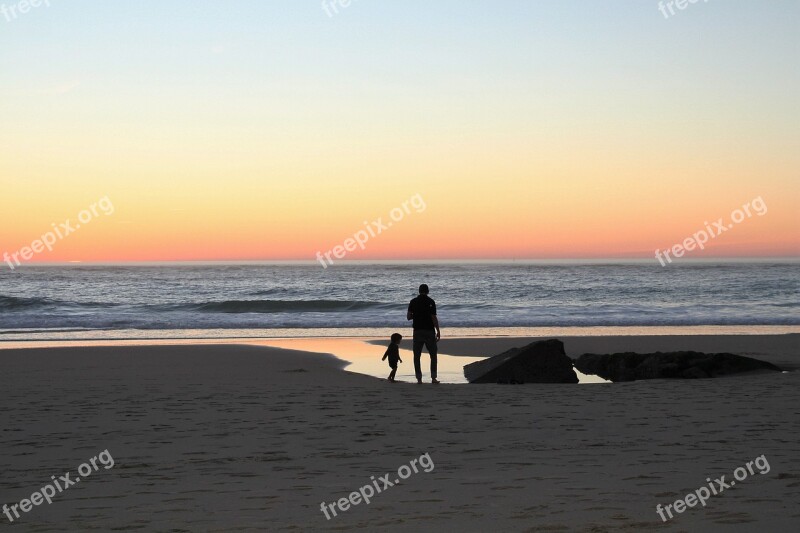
x,y
631,366
538,362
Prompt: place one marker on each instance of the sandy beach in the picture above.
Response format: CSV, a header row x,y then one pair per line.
x,y
247,438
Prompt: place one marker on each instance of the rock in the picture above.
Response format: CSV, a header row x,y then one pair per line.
x,y
631,366
538,362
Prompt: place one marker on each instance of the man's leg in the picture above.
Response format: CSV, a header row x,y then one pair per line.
x,y
418,344
433,350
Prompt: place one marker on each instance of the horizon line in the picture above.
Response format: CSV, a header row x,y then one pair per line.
x,y
571,260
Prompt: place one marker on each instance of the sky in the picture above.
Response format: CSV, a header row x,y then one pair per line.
x,y
269,130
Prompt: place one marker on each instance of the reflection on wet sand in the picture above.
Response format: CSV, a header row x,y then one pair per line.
x,y
365,358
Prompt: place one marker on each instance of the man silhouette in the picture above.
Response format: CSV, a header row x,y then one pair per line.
x,y
422,310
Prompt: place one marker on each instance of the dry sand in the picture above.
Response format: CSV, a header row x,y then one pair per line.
x,y
234,438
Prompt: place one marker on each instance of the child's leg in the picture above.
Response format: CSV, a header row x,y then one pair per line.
x,y
391,376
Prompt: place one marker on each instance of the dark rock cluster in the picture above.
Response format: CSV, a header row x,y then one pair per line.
x,y
546,362
631,366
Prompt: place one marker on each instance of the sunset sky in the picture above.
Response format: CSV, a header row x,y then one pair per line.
x,y
263,130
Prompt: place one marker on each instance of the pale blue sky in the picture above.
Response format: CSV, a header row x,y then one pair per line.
x,y
407,43
582,108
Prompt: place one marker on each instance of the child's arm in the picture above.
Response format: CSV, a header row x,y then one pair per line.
x,y
385,355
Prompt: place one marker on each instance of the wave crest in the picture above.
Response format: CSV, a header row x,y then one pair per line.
x,y
11,303
286,306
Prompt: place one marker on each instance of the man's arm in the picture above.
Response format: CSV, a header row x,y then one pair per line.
x,y
436,325
409,314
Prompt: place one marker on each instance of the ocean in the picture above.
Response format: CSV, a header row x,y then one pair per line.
x,y
80,301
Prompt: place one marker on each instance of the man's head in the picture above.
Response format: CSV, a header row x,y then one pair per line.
x,y
423,289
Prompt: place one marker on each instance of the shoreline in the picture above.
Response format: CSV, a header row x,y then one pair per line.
x,y
88,336
362,354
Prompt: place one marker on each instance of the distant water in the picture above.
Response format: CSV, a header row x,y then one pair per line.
x,y
183,297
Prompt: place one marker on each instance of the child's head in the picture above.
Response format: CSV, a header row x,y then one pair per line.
x,y
396,338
